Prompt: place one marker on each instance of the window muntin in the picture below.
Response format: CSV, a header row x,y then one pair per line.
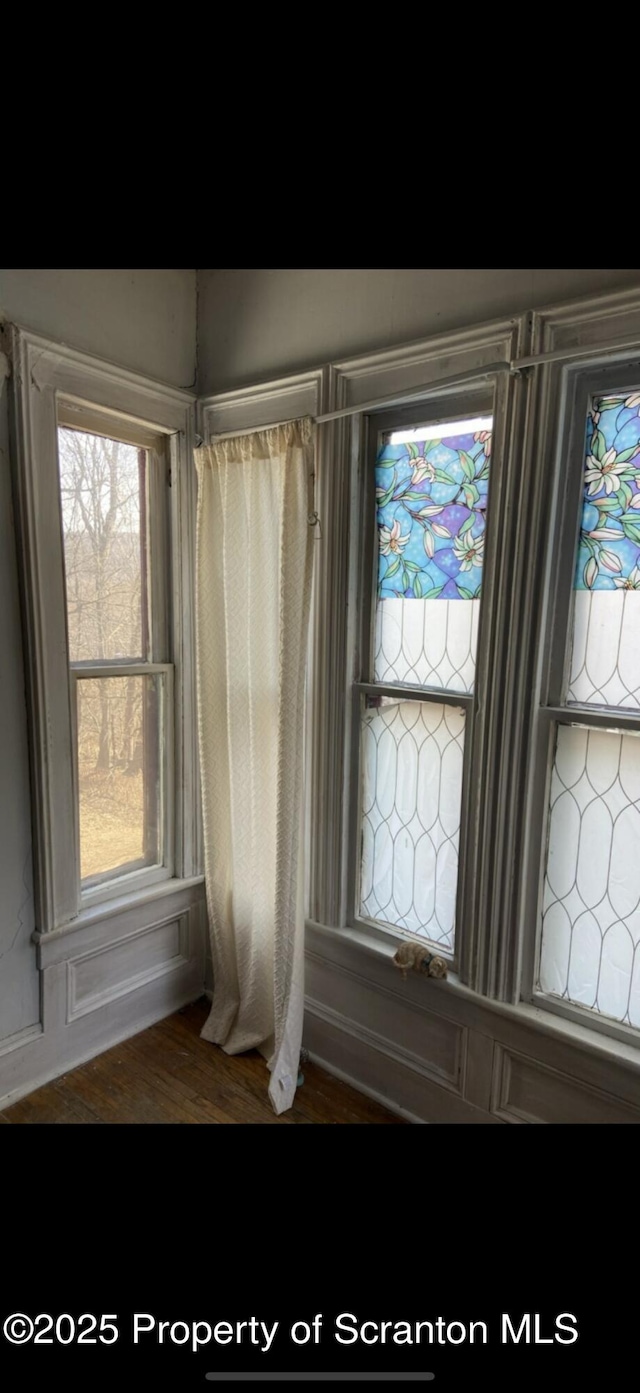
x,y
114,524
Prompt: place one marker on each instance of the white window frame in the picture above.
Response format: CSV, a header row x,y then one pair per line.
x,y
44,375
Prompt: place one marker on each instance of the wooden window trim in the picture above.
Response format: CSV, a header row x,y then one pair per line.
x,y
95,394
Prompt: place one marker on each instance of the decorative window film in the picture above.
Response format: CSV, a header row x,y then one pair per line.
x,y
591,907
431,494
605,662
411,760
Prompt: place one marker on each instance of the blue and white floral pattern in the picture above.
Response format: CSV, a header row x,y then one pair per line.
x,y
431,498
609,548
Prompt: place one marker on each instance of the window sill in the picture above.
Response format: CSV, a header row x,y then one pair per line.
x,y
56,946
352,948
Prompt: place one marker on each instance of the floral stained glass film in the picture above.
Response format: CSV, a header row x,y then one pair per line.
x,y
605,659
431,498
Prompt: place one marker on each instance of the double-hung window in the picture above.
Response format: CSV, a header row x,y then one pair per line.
x,y
105,498
426,498
113,490
585,959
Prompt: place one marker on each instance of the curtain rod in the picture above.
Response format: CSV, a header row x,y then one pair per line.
x,y
558,354
410,394
434,389
515,367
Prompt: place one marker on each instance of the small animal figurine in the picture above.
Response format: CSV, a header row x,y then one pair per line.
x,y
412,956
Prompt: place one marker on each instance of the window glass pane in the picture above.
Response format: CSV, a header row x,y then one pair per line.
x,y
102,485
412,786
591,906
431,498
119,774
605,661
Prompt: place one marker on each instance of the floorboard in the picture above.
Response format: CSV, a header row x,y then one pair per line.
x,y
169,1074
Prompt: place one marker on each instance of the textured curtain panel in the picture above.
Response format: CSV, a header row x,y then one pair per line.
x,y
254,560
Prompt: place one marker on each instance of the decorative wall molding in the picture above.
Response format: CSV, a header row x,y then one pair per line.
x,y
596,322
114,969
361,1017
265,404
104,990
523,1090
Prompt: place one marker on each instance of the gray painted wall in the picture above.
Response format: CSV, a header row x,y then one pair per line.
x,y
260,324
144,320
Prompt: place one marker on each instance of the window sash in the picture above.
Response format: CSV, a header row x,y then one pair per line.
x,y
92,421
112,883
381,928
475,401
564,523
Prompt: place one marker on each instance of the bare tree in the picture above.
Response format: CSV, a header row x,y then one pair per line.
x,y
100,483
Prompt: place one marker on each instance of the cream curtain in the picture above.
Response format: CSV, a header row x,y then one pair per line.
x,y
253,569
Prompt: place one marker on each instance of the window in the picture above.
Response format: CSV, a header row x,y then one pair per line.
x,y
105,497
426,500
113,489
492,760
588,957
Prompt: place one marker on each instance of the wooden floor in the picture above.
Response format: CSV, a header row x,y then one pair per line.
x,y
168,1074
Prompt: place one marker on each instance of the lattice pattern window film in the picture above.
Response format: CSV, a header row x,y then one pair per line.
x,y
411,758
591,905
605,662
431,495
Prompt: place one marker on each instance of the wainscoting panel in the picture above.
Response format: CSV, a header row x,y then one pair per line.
x,y
96,978
106,980
526,1091
434,1051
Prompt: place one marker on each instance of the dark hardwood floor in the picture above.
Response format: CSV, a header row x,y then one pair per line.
x,y
168,1074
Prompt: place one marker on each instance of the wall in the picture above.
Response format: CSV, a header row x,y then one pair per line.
x,y
260,324
144,320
